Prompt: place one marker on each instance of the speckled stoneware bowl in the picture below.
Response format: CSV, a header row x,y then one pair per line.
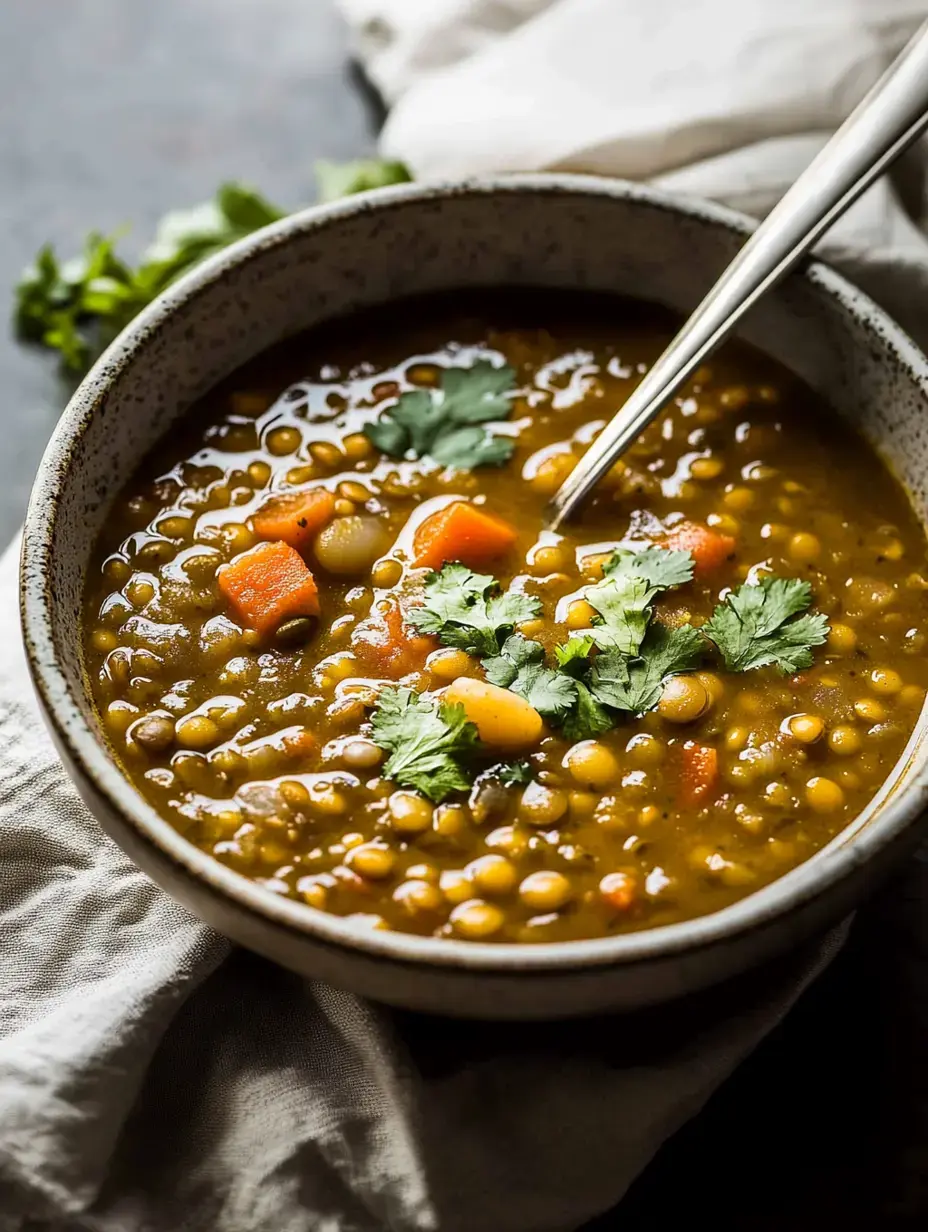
x,y
551,231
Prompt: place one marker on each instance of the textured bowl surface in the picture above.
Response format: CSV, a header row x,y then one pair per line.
x,y
546,231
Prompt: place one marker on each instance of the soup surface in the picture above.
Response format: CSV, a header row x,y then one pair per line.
x,y
333,643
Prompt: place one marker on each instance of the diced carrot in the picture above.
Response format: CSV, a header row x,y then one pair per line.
x,y
268,585
462,532
387,647
298,742
619,891
709,549
699,773
294,517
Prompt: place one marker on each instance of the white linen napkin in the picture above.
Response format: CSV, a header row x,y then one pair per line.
x,y
152,1079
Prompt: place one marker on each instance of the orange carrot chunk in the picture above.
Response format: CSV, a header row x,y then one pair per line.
x,y
699,773
268,585
619,891
709,549
294,517
462,532
387,647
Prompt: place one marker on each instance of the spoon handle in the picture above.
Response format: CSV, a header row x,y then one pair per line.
x,y
885,122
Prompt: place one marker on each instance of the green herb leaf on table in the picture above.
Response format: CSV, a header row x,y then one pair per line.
x,y
760,626
633,685
465,609
447,424
429,742
520,666
334,180
76,307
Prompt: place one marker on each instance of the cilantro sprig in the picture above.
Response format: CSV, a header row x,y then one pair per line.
x,y
520,667
760,626
466,610
77,306
593,684
430,742
449,423
632,685
631,582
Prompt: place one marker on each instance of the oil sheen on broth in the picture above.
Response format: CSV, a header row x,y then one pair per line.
x,y
257,745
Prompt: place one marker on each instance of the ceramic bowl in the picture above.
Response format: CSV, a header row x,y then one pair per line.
x,y
546,231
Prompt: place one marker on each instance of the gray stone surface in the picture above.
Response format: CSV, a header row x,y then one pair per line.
x,y
113,111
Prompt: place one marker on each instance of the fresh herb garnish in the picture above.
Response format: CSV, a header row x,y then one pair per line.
x,y
661,568
447,424
623,599
588,718
429,742
591,688
512,773
759,626
633,685
76,307
465,609
520,666
573,657
334,180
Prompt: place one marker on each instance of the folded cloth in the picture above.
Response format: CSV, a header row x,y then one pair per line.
x,y
154,1080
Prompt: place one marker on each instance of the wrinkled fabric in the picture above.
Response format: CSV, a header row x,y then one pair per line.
x,y
152,1078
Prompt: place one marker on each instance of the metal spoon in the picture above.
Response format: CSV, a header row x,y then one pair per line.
x,y
888,120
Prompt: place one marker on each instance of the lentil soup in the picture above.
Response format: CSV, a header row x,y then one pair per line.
x,y
331,640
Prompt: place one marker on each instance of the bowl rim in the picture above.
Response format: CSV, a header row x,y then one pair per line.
x,y
856,844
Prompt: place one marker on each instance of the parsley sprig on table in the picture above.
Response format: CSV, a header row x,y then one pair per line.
x,y
449,423
77,306
430,742
466,610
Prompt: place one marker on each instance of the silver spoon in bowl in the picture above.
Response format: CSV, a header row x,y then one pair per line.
x,y
882,126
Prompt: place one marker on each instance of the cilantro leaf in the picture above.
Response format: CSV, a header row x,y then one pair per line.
x,y
758,626
623,598
417,412
429,742
447,424
477,394
573,657
512,773
634,685
588,717
517,652
466,448
389,437
520,667
462,609
659,567
334,180
623,602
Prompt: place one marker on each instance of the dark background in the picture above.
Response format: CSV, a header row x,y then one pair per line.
x,y
114,111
